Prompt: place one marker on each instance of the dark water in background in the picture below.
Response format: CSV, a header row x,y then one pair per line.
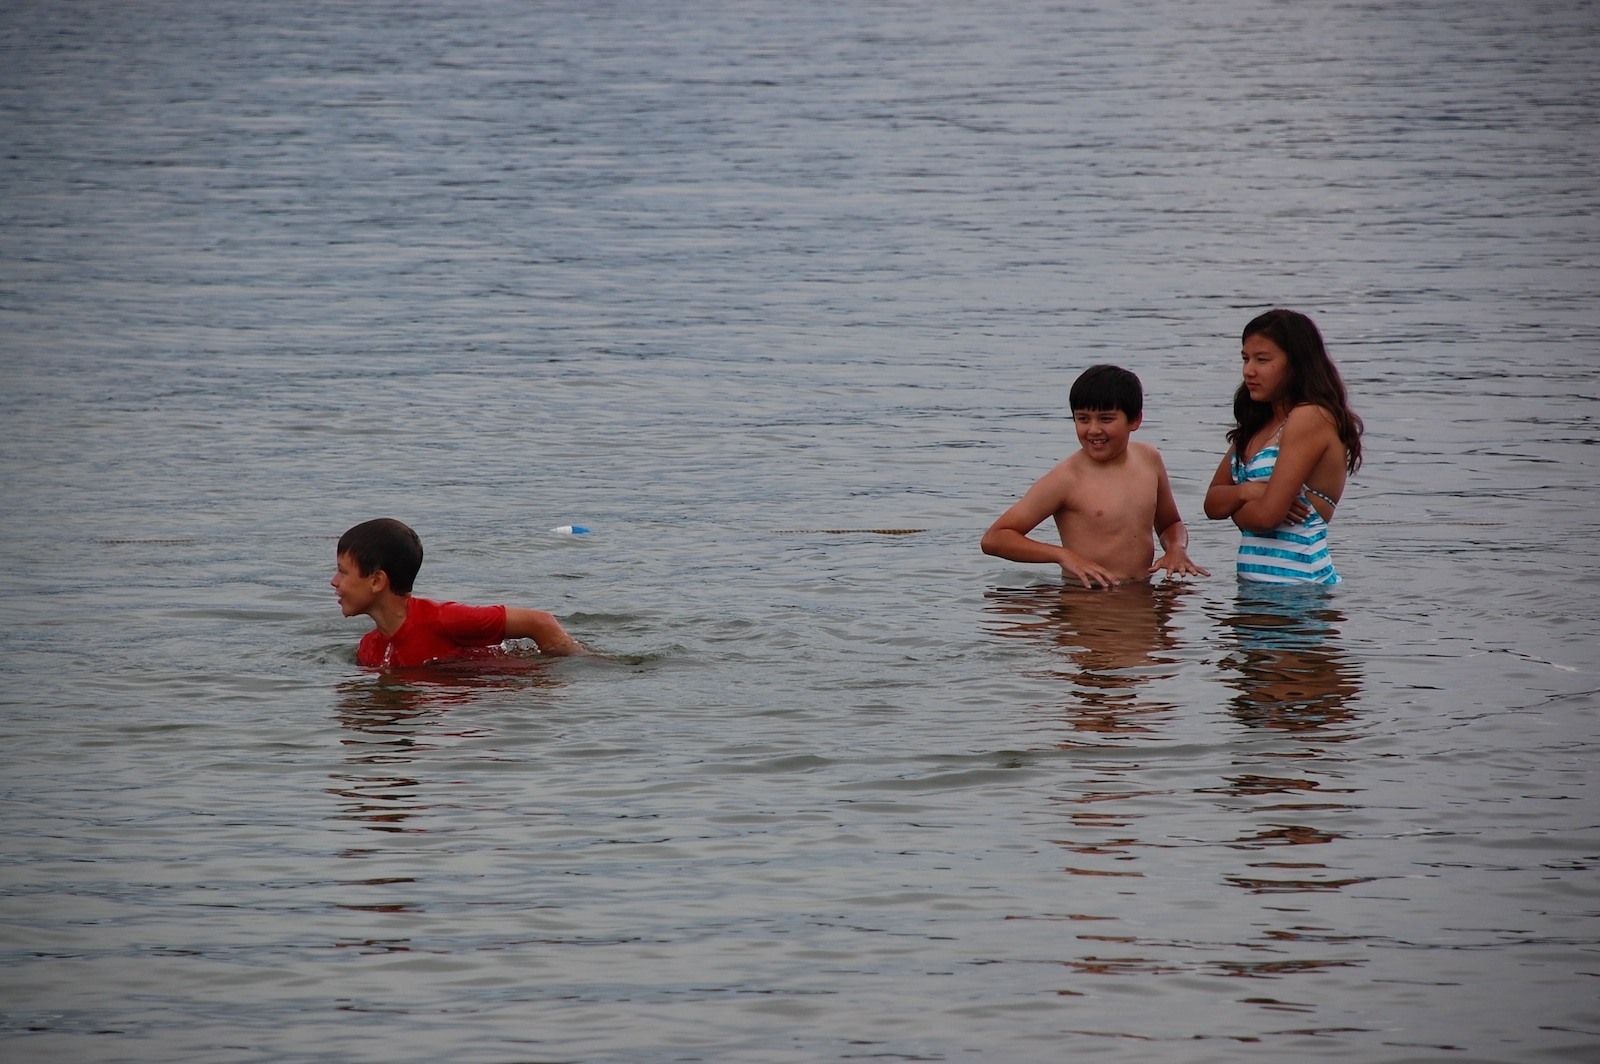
x,y
711,279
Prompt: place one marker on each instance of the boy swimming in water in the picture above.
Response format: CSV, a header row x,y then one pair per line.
x,y
377,564
1107,499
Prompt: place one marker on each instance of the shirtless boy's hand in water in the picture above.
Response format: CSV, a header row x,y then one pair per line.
x,y
1111,501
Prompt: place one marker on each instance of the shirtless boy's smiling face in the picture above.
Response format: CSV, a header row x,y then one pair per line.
x,y
1103,434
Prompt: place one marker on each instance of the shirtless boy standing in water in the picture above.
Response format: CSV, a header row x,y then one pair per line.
x,y
1107,499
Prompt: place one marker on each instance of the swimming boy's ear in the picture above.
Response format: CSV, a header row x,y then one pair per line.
x,y
1133,425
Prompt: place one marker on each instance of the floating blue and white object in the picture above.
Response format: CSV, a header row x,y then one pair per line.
x,y
570,530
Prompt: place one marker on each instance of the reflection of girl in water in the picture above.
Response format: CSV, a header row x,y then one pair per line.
x,y
1294,442
1290,671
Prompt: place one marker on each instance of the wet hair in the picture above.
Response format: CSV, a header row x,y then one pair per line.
x,y
1108,388
1313,378
388,545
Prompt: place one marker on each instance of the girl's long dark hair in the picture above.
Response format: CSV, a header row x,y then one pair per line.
x,y
1313,378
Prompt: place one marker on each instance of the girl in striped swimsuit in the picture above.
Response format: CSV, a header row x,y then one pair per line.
x,y
1294,442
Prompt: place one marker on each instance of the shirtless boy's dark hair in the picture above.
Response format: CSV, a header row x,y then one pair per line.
x,y
1108,388
388,545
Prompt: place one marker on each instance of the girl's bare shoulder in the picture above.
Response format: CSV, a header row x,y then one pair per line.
x,y
1312,416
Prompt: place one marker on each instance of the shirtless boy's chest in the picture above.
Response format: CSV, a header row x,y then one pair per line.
x,y
1112,503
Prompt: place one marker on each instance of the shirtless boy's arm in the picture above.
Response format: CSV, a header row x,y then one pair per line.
x,y
543,629
1008,537
1171,532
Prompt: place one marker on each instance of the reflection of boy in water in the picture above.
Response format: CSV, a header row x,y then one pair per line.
x,y
1117,644
1107,499
377,564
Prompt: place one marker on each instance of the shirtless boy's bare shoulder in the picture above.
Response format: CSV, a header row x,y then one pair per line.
x,y
1145,452
1146,459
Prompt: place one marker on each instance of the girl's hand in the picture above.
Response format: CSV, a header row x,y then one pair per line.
x,y
1252,490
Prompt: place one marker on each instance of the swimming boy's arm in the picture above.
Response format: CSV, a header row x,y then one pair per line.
x,y
1008,537
1171,532
543,629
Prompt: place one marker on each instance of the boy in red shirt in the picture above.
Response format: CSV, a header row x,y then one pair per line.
x,y
377,564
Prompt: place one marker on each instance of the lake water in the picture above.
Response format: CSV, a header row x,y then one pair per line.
x,y
732,284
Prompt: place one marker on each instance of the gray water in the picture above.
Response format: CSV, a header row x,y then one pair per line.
x,y
731,284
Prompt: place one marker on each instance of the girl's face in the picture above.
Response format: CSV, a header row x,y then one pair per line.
x,y
1266,369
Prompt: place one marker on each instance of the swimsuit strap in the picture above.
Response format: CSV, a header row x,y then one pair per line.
x,y
1318,494
1277,439
1304,487
1242,463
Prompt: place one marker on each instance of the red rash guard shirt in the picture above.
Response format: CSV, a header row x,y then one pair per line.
x,y
433,631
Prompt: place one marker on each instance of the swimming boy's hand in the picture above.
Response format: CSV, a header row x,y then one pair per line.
x,y
543,629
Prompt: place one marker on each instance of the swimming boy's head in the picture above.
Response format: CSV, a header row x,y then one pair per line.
x,y
1101,388
387,545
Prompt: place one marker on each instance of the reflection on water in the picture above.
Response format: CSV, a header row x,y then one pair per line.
x,y
1112,644
393,717
1286,665
1290,674
390,703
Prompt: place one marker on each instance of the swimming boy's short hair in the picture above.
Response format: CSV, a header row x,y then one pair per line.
x,y
385,544
1108,388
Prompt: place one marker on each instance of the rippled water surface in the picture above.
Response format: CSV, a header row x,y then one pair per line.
x,y
734,284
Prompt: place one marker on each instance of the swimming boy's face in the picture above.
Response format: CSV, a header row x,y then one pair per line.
x,y
1266,369
356,593
1103,434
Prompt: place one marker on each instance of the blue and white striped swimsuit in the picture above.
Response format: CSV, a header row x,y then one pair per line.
x,y
1290,553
